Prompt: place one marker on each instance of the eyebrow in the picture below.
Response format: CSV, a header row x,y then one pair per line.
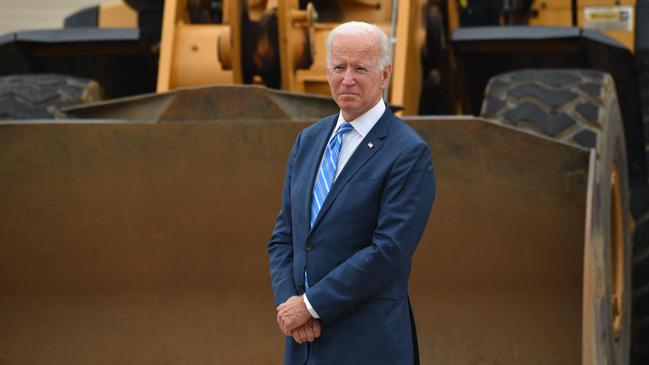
x,y
339,63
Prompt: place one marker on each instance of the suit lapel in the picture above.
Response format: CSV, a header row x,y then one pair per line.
x,y
362,154
312,165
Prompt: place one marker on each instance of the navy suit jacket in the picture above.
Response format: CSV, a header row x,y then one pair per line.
x,y
358,253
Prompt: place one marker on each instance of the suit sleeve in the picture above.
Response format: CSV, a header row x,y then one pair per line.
x,y
406,202
280,247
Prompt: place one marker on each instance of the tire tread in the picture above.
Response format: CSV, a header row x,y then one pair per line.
x,y
42,96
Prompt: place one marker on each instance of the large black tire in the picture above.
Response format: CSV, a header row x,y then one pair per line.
x,y
640,326
42,96
580,107
639,206
562,104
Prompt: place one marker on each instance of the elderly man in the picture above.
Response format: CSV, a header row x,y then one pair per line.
x,y
358,191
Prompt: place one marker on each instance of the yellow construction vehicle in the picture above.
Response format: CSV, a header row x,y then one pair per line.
x,y
136,232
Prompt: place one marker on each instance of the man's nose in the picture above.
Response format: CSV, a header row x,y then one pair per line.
x,y
348,77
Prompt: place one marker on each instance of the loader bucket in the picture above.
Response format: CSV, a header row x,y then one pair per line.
x,y
241,103
145,243
498,275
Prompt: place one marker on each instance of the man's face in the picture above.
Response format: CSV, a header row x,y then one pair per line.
x,y
355,77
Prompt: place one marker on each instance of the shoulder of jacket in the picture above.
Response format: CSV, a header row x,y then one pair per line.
x,y
404,133
320,125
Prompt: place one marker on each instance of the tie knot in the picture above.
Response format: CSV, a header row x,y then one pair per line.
x,y
344,128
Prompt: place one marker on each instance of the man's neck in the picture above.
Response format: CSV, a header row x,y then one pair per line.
x,y
352,117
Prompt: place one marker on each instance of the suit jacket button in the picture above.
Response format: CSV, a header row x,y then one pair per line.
x,y
309,246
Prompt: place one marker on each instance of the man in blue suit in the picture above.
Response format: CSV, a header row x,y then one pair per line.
x,y
358,191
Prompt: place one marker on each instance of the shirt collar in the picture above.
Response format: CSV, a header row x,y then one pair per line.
x,y
363,124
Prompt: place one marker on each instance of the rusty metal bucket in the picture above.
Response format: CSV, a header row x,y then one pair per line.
x,y
146,243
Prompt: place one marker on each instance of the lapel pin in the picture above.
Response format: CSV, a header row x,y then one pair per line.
x,y
370,145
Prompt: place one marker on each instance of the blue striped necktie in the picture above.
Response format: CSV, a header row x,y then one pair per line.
x,y
327,170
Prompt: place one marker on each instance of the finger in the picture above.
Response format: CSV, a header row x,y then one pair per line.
x,y
285,323
283,329
283,326
316,328
288,332
287,329
298,336
286,320
308,329
303,334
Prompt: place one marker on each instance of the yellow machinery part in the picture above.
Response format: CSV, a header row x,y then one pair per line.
x,y
602,15
202,54
616,19
198,54
552,13
295,31
117,14
405,88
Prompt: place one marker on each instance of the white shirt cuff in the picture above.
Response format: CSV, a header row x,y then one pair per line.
x,y
314,314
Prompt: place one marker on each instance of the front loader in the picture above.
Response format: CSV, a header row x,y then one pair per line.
x,y
134,228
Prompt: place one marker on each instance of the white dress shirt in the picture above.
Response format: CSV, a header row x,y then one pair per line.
x,y
361,127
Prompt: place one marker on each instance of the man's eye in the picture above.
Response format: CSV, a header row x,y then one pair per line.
x,y
338,68
361,69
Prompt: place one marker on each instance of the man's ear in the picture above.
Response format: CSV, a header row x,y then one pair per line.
x,y
387,71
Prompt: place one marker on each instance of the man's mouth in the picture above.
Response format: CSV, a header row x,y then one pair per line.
x,y
348,94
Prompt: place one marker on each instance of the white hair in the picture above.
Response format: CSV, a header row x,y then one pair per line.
x,y
361,28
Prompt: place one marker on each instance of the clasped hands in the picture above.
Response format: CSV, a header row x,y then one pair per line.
x,y
295,320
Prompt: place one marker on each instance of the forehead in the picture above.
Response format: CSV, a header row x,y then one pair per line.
x,y
354,47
